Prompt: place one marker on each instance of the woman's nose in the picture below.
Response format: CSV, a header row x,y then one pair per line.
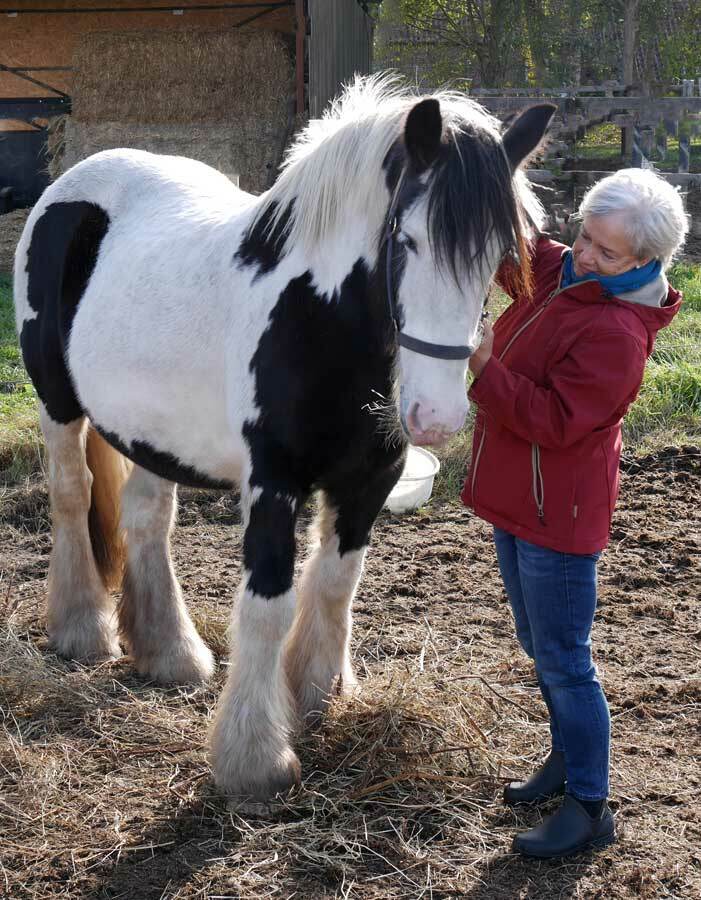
x,y
586,257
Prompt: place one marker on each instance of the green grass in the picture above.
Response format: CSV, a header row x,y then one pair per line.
x,y
667,411
20,440
603,142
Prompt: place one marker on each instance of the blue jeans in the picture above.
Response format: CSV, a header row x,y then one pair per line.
x,y
553,598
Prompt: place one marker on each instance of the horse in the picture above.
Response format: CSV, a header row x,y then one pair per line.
x,y
181,331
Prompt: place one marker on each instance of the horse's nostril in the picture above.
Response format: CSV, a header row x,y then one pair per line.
x,y
413,419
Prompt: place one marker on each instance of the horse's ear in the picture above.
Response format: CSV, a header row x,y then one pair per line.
x,y
524,135
422,133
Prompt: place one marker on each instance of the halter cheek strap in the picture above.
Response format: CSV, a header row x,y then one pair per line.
x,y
424,348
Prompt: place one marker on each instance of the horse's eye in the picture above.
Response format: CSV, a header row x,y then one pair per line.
x,y
408,241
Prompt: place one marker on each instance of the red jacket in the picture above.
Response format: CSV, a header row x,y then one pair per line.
x,y
565,368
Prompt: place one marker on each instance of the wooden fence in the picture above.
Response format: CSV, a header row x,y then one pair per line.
x,y
646,122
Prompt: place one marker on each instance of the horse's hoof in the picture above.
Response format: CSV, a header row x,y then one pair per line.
x,y
87,642
313,702
259,787
187,662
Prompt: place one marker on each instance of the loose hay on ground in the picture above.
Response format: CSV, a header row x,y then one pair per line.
x,y
104,780
11,227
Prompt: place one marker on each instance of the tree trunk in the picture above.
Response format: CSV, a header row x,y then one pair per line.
x,y
630,27
535,29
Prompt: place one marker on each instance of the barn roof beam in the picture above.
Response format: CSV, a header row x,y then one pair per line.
x,y
176,7
28,108
22,73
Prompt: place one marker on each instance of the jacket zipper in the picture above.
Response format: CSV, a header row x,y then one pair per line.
x,y
538,487
535,449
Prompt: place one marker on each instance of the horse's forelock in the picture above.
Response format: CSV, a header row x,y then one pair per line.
x,y
473,203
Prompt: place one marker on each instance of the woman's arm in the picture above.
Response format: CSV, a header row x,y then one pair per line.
x,y
588,389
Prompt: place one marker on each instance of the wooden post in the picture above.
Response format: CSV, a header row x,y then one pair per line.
x,y
300,50
646,141
662,145
683,154
636,157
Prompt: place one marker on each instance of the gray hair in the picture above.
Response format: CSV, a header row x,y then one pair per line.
x,y
655,222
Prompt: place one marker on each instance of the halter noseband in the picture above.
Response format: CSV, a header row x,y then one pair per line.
x,y
437,351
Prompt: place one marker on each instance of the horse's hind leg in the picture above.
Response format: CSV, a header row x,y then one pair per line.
x,y
153,619
317,654
80,612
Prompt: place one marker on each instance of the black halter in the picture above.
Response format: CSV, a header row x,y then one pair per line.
x,y
437,351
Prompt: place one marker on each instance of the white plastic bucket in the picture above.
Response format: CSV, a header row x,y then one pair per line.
x,y
415,483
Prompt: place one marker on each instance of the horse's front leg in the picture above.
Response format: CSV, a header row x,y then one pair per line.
x,y
250,747
317,656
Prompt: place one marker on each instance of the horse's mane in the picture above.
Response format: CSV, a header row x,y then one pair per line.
x,y
335,165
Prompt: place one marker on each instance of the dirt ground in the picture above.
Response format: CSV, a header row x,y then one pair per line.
x,y
105,790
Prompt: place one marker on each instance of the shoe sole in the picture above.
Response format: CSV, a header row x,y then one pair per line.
x,y
596,844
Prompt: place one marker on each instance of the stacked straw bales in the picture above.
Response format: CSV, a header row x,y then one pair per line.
x,y
224,97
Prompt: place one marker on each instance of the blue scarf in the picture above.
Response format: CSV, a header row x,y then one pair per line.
x,y
615,284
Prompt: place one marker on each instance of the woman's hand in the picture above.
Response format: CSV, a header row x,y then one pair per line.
x,y
480,357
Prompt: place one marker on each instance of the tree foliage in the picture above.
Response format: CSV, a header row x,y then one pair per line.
x,y
501,43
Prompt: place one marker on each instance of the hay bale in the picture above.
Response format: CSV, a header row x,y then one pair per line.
x,y
204,75
202,141
223,97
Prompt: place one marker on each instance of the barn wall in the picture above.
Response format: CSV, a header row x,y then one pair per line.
x,y
50,40
340,45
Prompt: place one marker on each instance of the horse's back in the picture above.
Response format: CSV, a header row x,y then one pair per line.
x,y
120,280
129,187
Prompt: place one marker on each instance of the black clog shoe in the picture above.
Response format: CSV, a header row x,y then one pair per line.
x,y
548,781
567,831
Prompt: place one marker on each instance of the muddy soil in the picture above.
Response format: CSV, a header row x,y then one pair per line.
x,y
430,613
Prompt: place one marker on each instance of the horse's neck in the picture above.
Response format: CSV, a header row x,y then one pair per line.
x,y
332,258
335,258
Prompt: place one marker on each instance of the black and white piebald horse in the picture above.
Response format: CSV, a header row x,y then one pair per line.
x,y
178,330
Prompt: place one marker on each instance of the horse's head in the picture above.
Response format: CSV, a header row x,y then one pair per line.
x,y
457,206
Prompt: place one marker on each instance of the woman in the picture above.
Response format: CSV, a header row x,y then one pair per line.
x,y
553,381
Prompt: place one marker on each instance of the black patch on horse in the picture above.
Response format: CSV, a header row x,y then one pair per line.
x,y
269,545
161,463
318,425
262,245
62,254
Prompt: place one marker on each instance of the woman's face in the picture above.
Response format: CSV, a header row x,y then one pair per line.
x,y
602,247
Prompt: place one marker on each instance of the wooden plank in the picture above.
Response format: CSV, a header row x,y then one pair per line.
x,y
339,47
678,179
